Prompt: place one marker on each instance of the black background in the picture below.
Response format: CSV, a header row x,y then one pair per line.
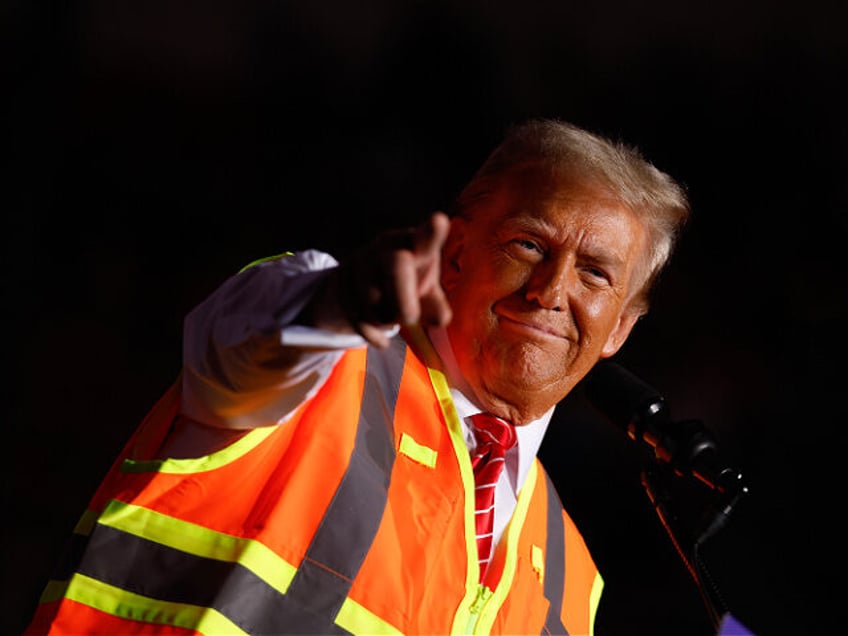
x,y
154,148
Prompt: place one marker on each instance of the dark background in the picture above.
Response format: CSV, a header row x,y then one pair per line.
x,y
154,148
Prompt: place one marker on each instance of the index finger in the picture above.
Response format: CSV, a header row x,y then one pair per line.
x,y
431,234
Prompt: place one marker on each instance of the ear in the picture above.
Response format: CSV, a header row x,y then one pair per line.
x,y
452,252
628,318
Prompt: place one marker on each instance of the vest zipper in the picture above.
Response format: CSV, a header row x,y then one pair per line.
x,y
483,595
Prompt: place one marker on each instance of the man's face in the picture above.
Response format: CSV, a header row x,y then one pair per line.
x,y
538,276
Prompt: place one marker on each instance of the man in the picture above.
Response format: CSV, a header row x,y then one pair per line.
x,y
313,470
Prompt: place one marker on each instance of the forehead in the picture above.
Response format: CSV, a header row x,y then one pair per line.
x,y
563,208
534,190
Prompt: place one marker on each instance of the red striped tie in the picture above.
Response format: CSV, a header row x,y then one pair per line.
x,y
494,437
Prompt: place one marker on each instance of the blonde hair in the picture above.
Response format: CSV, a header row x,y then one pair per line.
x,y
619,168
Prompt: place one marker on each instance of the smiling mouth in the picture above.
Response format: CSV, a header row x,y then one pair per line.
x,y
532,327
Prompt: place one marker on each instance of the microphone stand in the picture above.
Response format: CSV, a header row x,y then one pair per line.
x,y
654,480
679,449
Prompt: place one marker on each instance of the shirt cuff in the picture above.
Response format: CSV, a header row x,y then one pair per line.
x,y
300,336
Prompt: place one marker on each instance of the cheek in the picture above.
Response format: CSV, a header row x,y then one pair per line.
x,y
595,317
482,284
466,309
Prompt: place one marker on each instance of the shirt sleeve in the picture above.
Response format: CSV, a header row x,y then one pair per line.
x,y
245,363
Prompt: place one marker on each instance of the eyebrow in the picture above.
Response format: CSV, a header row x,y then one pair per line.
x,y
529,223
589,249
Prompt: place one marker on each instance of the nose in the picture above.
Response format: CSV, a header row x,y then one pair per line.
x,y
548,284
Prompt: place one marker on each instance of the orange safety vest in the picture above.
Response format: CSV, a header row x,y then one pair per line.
x,y
354,516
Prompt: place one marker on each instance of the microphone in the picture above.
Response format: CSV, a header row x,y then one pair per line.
x,y
688,447
642,412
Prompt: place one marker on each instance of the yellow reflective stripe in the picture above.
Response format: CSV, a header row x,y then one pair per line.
x,y
440,385
480,599
86,523
201,464
594,600
490,611
136,607
357,620
472,569
537,560
463,620
53,591
259,261
418,452
198,540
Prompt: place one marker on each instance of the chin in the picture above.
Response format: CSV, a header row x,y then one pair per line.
x,y
531,390
530,363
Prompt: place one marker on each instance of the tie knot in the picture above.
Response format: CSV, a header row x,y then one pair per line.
x,y
490,429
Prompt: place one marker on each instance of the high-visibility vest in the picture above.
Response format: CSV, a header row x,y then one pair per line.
x,y
355,516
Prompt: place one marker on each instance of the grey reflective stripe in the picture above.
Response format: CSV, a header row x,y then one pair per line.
x,y
554,559
332,561
158,571
350,524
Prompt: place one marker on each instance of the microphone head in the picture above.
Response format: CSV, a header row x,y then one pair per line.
x,y
640,410
625,399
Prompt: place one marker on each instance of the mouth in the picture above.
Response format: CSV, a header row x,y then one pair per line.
x,y
532,327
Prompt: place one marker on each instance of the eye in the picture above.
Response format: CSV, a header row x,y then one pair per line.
x,y
528,245
596,275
